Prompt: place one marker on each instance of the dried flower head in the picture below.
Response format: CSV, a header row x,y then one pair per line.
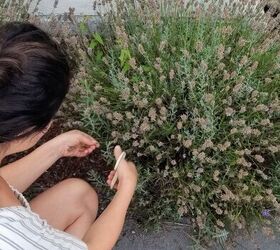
x,y
162,45
152,114
162,78
179,125
141,49
226,75
247,130
207,144
171,74
201,156
223,147
241,42
258,198
125,94
203,65
184,118
242,110
203,122
159,156
236,89
132,63
199,222
216,175
244,60
173,162
186,53
220,223
265,122
261,107
199,46
158,101
187,143
221,51
233,131
122,36
219,211
145,126
226,30
273,149
242,173
242,161
209,98
229,111
267,80
259,158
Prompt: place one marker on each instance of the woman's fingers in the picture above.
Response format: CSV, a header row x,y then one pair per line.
x,y
87,139
110,178
90,149
109,184
111,175
85,150
117,151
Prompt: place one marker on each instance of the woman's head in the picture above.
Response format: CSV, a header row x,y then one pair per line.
x,y
34,79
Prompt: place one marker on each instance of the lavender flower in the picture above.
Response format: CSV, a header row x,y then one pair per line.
x,y
266,213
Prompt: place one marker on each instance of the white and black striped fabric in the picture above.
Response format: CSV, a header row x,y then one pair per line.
x,y
22,229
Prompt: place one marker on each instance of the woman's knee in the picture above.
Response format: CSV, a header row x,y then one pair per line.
x,y
82,192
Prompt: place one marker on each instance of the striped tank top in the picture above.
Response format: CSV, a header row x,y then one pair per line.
x,y
22,229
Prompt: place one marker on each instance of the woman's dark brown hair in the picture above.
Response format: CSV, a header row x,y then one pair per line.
x,y
34,79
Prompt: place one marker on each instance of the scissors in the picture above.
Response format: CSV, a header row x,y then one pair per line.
x,y
121,157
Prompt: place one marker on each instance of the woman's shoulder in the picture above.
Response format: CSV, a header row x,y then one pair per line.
x,y
7,197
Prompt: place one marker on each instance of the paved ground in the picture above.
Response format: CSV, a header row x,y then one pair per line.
x,y
177,237
169,238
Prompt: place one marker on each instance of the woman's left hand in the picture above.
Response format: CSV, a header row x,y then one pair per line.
x,y
74,143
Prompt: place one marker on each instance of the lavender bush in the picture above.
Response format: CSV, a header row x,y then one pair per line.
x,y
191,92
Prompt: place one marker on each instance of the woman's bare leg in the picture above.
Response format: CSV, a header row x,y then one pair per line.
x,y
70,206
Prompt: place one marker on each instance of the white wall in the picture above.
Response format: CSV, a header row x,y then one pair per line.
x,y
84,7
46,7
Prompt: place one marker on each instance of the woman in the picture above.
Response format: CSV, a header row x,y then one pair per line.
x,y
34,79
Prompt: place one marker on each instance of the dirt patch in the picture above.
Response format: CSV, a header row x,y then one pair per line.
x,y
63,168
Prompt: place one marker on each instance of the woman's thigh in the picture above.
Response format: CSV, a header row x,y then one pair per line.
x,y
63,203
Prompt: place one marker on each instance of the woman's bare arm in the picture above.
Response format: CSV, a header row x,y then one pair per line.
x,y
7,197
105,231
22,173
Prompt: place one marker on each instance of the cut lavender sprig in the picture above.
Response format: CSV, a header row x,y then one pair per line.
x,y
266,213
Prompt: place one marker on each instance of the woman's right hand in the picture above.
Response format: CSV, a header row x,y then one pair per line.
x,y
106,230
127,173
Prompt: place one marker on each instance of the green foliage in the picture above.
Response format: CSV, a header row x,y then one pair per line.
x,y
193,98
124,59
